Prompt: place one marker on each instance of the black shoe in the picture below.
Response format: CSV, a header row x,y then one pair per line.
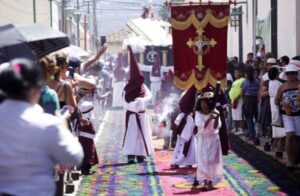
x,y
290,169
130,159
85,169
174,166
195,183
165,147
140,159
278,155
85,172
256,142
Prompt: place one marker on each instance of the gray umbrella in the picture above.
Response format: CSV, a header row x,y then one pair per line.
x,y
31,41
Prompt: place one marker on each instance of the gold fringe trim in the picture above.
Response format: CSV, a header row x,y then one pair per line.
x,y
209,18
199,84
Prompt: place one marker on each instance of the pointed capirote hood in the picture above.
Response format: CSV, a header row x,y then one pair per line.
x,y
187,101
119,71
134,88
155,72
135,71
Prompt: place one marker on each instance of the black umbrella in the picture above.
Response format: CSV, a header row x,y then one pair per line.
x,y
31,41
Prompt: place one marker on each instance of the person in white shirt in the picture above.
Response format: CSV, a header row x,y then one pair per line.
x,y
31,141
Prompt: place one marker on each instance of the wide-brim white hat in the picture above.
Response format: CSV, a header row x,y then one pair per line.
x,y
295,62
290,68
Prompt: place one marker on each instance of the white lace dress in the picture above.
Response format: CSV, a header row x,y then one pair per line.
x,y
208,152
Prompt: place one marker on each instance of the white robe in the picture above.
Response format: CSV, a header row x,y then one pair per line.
x,y
117,93
277,132
208,152
185,136
134,144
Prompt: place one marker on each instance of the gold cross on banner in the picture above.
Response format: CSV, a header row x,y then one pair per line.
x,y
201,46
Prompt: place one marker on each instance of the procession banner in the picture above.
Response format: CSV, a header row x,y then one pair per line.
x,y
199,44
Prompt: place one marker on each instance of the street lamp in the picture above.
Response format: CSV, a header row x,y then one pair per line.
x,y
234,18
34,11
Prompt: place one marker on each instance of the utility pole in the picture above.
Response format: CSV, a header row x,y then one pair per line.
x,y
254,26
85,32
34,11
85,25
78,21
51,17
63,23
95,26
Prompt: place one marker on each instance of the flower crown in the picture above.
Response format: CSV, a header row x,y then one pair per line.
x,y
206,95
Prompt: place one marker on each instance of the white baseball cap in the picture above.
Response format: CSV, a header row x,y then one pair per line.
x,y
271,60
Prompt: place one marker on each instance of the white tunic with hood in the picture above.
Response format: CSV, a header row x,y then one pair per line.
x,y
134,144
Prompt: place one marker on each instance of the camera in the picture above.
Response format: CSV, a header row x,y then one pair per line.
x,y
71,71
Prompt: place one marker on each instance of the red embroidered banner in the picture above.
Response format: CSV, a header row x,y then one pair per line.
x,y
199,44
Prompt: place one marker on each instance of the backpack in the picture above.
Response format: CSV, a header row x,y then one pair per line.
x,y
49,106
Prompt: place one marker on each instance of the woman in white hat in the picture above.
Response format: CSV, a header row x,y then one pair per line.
x,y
286,99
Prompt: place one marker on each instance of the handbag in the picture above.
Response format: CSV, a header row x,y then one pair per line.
x,y
277,119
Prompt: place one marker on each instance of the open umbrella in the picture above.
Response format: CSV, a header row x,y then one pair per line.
x,y
31,41
12,44
76,51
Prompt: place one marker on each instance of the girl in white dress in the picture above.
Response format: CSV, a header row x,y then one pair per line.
x,y
208,152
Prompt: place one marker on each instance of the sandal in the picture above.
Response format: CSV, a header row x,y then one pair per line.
x,y
210,185
205,186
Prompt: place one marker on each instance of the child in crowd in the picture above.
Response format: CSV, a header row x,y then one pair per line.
x,y
229,121
86,135
237,101
209,152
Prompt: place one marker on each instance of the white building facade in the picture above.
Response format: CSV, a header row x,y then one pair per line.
x,y
22,12
278,23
